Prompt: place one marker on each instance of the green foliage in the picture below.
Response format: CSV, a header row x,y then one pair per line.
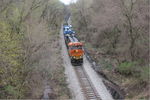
x,y
127,68
106,65
11,90
143,98
145,73
10,59
133,69
11,54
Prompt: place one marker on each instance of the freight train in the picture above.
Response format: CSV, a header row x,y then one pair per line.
x,y
74,46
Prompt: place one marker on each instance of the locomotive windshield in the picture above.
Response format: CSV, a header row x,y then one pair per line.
x,y
75,47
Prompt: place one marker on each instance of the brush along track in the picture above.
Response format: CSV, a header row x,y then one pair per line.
x,y
87,87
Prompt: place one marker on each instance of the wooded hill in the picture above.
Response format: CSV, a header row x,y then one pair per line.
x,y
28,33
116,33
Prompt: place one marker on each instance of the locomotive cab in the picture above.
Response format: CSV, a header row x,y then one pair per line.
x,y
76,53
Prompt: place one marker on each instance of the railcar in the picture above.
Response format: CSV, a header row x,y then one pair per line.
x,y
67,30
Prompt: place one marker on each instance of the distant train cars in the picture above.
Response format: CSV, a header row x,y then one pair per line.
x,y
68,30
75,48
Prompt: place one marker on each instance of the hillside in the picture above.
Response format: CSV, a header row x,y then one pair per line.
x,y
116,35
29,30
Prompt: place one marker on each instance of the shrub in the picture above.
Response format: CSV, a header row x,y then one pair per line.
x,y
106,65
132,68
144,75
127,68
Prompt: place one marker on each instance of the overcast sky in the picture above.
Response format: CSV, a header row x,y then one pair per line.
x,y
67,1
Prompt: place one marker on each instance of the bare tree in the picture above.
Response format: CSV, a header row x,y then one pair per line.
x,y
4,4
127,10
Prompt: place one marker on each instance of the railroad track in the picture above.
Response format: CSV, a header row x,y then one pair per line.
x,y
88,89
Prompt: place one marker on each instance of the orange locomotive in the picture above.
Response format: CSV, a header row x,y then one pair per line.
x,y
75,50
